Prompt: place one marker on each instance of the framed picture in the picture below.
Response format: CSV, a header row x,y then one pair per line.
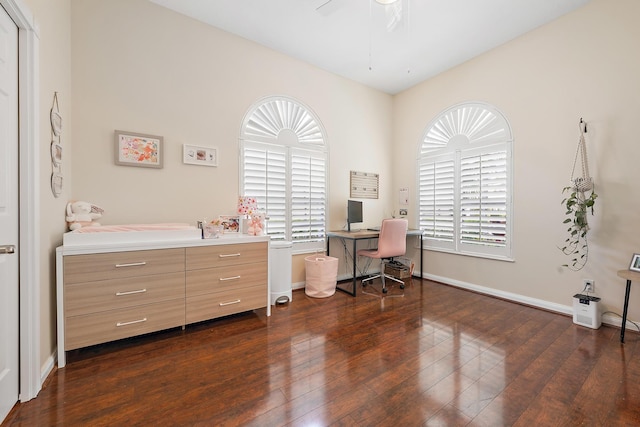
x,y
230,223
635,263
137,149
204,156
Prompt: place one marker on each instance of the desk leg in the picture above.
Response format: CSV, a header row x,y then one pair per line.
x,y
352,293
624,311
355,259
421,252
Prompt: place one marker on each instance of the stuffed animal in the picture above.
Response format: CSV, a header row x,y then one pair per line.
x,y
82,214
256,225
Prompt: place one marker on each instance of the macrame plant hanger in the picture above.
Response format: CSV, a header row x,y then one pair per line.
x,y
585,181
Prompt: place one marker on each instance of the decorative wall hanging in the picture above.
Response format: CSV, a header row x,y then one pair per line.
x,y
137,149
578,204
364,185
56,147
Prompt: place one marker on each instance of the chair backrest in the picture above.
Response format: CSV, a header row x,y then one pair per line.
x,y
393,238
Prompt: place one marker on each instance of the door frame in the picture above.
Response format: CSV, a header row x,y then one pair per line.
x,y
29,191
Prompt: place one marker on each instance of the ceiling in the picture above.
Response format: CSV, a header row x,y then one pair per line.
x,y
389,48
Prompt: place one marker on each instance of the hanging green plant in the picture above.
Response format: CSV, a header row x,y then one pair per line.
x,y
578,206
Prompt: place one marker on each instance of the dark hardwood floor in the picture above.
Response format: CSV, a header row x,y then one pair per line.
x,y
437,356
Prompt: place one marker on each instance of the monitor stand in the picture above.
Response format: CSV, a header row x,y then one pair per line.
x,y
349,230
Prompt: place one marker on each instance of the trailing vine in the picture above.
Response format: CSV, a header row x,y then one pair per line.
x,y
576,245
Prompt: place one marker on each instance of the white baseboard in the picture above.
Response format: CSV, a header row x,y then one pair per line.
x,y
609,319
47,367
535,302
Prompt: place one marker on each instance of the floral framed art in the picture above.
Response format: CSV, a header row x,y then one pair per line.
x,y
138,149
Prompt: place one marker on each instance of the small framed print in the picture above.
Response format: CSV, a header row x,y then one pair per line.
x,y
635,262
230,223
203,156
137,149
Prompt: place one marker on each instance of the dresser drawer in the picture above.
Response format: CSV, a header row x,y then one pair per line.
x,y
90,329
222,278
209,306
224,255
93,297
87,268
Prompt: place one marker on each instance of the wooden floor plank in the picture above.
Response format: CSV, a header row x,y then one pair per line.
x,y
436,356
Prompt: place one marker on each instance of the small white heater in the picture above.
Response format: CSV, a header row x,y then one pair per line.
x,y
586,311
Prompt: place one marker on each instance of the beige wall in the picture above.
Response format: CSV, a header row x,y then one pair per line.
x,y
161,73
587,65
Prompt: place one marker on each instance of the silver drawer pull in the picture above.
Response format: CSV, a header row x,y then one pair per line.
x,y
133,264
7,249
224,279
139,291
131,323
222,304
228,255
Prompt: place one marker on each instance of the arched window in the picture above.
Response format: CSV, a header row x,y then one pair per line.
x,y
465,175
284,166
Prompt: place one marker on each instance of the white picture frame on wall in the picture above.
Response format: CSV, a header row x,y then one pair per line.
x,y
198,155
635,263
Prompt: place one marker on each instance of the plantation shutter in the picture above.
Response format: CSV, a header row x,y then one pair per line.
x,y
265,178
308,196
483,199
437,200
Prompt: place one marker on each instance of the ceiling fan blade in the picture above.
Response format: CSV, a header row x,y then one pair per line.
x,y
327,7
394,15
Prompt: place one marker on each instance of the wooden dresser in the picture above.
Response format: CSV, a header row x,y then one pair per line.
x,y
114,291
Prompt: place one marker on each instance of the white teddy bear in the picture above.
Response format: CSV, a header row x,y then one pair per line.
x,y
82,214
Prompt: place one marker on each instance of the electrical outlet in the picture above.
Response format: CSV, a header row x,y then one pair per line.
x,y
589,285
403,212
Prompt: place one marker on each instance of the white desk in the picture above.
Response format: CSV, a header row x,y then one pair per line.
x,y
354,236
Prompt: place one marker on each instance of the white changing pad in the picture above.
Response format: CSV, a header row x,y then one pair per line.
x,y
131,233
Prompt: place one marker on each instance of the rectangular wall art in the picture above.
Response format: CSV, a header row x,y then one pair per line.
x,y
137,149
203,156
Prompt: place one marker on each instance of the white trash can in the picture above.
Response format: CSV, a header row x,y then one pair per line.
x,y
321,276
280,272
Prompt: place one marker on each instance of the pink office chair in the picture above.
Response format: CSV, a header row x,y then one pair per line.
x,y
392,242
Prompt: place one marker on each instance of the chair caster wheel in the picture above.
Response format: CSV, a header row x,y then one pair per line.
x,y
364,285
401,286
385,290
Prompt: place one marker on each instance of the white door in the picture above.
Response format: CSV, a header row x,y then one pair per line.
x,y
9,335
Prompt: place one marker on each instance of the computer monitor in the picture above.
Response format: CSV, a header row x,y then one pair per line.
x,y
354,213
